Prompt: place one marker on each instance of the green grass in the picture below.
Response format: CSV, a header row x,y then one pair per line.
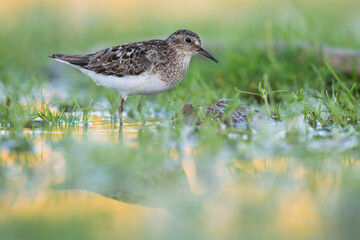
x,y
86,111
59,117
293,178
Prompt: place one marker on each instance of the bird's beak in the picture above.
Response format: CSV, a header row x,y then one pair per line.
x,y
207,54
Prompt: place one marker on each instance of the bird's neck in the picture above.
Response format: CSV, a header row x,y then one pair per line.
x,y
181,58
178,66
181,64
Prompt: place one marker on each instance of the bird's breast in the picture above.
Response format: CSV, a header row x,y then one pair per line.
x,y
173,72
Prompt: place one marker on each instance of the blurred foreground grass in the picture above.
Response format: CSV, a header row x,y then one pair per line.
x,y
63,177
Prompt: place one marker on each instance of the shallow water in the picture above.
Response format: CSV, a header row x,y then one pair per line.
x,y
157,180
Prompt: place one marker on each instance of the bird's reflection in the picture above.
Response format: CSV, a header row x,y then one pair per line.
x,y
144,175
120,136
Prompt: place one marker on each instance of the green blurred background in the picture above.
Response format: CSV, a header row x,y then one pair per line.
x,y
240,33
301,186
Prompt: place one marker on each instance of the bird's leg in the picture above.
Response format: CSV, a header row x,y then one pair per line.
x,y
121,109
139,105
139,110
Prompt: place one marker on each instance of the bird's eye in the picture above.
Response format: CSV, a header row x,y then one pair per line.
x,y
188,40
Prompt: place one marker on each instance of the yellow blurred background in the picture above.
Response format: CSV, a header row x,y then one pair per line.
x,y
172,9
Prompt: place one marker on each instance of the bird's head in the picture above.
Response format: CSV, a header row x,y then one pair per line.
x,y
188,43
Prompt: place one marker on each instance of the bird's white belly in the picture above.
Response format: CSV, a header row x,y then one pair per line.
x,y
144,84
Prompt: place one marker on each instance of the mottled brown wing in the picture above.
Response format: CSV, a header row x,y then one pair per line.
x,y
125,60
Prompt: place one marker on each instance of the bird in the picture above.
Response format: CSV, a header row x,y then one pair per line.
x,y
140,68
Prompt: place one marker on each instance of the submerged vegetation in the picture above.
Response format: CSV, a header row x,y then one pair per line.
x,y
263,145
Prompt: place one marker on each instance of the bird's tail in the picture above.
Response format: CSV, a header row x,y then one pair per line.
x,y
79,60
